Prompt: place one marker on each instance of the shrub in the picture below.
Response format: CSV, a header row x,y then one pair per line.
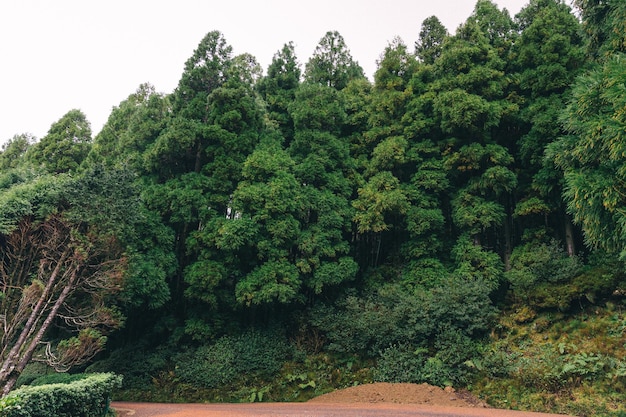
x,y
57,378
33,371
88,397
208,366
457,307
251,353
537,268
451,364
401,363
370,324
137,363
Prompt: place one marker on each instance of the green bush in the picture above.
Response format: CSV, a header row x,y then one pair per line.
x,y
451,364
370,324
543,275
251,353
87,397
33,371
57,378
138,363
401,363
208,366
390,316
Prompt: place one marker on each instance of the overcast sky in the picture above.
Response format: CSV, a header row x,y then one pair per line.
x,y
57,55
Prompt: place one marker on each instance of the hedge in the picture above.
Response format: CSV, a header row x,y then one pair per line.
x,y
88,397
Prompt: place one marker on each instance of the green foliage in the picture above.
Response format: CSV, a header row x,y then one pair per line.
x,y
131,128
88,396
536,264
57,378
273,281
249,354
30,194
592,157
13,151
389,217
137,363
561,363
401,363
279,86
543,276
65,146
450,365
394,316
331,63
431,37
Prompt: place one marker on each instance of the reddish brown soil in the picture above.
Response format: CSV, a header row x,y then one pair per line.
x,y
383,392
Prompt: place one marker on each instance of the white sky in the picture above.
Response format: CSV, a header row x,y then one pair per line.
x,y
57,55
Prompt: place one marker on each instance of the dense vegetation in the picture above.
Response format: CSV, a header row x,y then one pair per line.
x,y
61,395
251,236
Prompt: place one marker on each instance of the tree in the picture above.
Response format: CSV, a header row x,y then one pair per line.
x,y
57,267
431,38
278,88
204,71
66,145
546,58
496,24
331,63
76,253
12,152
195,163
592,155
322,165
51,270
266,230
602,22
131,128
470,105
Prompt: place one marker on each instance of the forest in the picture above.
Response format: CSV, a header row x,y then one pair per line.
x,y
271,235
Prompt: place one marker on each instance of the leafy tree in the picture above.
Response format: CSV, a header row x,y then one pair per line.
x,y
204,71
131,128
357,98
591,156
382,202
279,86
548,54
496,24
331,63
322,165
602,22
66,145
267,201
431,37
470,105
109,199
197,159
55,266
13,151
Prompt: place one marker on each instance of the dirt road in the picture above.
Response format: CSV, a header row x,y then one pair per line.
x,y
308,410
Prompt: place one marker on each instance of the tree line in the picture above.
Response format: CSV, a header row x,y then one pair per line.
x,y
390,216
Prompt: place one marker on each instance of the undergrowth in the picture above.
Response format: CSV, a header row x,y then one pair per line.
x,y
552,362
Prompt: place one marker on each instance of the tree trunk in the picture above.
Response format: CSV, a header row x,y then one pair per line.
x,y
10,361
508,244
14,366
569,236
